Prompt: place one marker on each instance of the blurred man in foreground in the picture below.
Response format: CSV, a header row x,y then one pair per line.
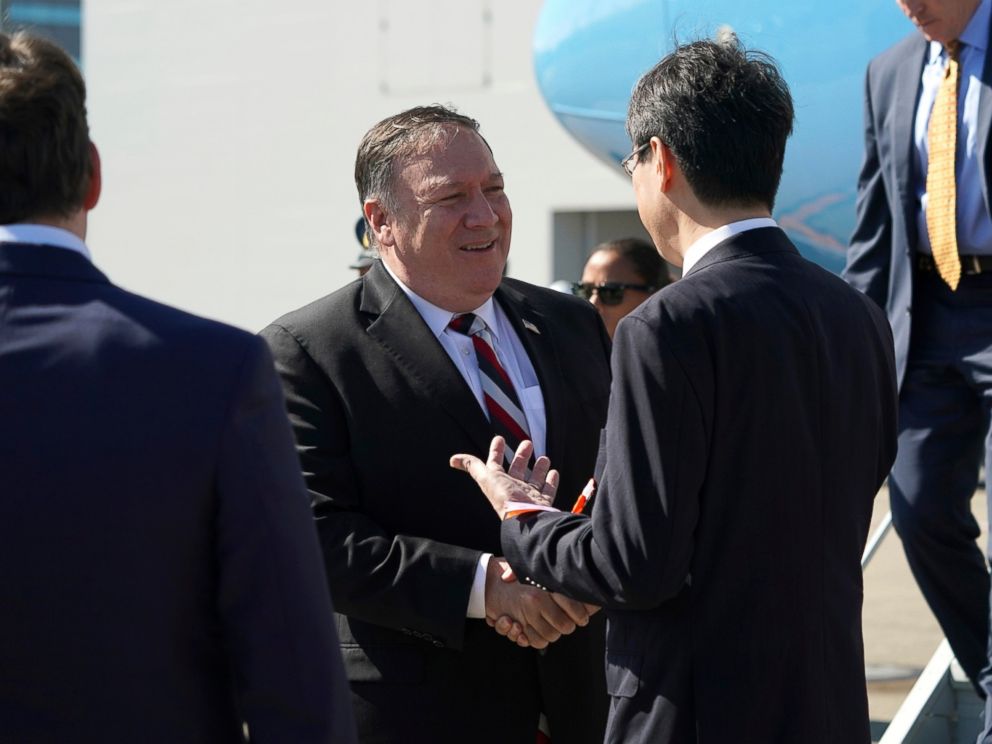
x,y
752,420
159,574
430,353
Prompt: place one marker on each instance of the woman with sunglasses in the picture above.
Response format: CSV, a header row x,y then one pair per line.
x,y
619,276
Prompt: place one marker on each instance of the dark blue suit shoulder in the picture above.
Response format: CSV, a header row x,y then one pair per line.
x,y
175,331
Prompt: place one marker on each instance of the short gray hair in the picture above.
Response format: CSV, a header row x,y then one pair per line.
x,y
409,132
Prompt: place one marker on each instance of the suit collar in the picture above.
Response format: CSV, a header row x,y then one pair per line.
x,y
437,318
761,241
907,87
975,34
985,121
703,245
399,328
37,234
401,331
26,259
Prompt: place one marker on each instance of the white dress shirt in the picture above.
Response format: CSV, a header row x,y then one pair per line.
x,y
711,239
43,235
512,355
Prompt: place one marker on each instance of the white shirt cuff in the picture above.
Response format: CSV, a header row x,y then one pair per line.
x,y
477,599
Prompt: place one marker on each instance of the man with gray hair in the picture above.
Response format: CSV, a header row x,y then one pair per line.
x,y
432,352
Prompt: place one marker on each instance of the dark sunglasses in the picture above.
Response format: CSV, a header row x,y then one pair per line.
x,y
610,293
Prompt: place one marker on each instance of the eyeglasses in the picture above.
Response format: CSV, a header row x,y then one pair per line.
x,y
610,293
628,163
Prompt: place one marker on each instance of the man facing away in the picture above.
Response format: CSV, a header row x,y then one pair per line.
x,y
922,250
429,353
159,572
752,420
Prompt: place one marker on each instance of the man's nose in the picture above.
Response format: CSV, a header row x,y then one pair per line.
x,y
480,211
911,7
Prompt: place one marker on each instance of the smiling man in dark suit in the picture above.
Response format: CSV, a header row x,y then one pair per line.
x,y
752,420
922,250
432,352
159,571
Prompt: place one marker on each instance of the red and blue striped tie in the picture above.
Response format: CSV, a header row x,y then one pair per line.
x,y
505,412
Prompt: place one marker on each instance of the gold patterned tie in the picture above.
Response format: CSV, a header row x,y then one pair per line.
x,y
941,188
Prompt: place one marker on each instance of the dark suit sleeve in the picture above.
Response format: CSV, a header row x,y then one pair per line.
x,y
869,254
272,596
635,550
408,583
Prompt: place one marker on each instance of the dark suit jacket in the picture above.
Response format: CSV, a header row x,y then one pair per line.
x,y
159,571
752,420
880,257
378,408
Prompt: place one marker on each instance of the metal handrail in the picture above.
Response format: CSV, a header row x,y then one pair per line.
x,y
876,539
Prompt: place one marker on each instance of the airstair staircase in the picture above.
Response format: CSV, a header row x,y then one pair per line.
x,y
942,707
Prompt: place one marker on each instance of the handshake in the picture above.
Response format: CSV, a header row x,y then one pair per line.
x,y
529,616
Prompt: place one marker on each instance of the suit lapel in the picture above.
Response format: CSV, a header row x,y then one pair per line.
x,y
27,259
985,125
402,332
536,335
754,242
903,122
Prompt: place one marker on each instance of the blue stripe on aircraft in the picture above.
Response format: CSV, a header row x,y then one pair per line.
x,y
44,15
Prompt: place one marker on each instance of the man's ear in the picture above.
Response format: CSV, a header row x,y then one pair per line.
x,y
92,195
379,222
665,163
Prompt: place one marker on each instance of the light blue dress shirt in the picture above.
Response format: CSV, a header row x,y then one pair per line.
x,y
23,232
974,227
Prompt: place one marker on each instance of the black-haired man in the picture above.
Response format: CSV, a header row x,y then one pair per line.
x,y
752,420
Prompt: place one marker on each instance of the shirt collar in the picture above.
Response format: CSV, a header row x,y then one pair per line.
x,y
24,232
975,34
711,239
437,318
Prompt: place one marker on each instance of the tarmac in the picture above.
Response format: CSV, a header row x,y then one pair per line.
x,y
900,632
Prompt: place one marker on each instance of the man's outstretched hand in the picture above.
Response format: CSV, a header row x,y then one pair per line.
x,y
525,615
517,485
